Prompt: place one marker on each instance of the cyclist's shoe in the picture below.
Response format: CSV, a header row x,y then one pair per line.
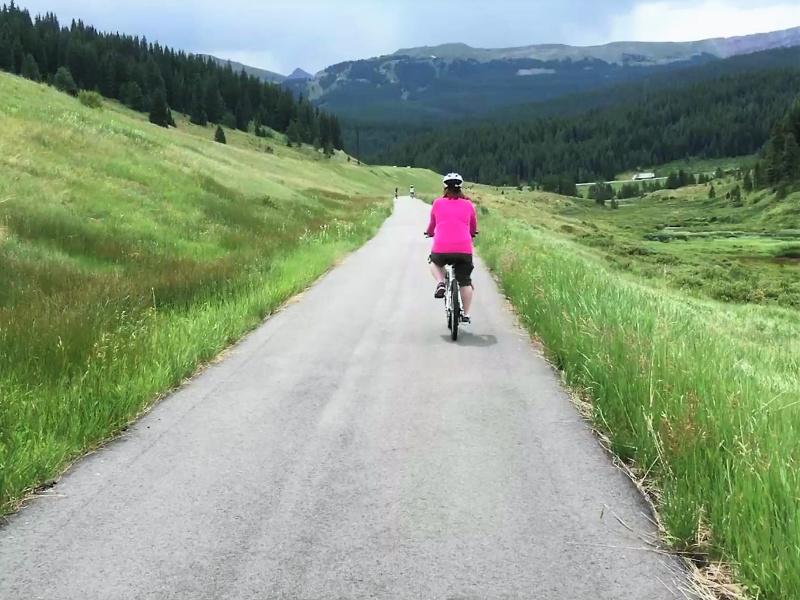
x,y
466,320
440,289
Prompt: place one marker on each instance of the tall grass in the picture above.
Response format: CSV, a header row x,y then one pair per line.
x,y
130,254
77,381
704,397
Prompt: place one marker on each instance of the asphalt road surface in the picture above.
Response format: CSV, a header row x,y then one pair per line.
x,y
349,449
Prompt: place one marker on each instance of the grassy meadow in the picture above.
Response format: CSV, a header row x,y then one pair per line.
x,y
707,248
687,347
131,254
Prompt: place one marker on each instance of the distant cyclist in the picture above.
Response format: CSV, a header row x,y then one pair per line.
x,y
412,192
453,224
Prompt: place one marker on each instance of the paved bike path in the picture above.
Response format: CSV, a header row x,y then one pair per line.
x,y
349,449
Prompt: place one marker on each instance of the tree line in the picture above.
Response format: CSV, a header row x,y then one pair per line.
x,y
780,166
730,115
153,78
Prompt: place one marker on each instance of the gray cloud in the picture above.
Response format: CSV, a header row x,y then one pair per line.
x,y
280,34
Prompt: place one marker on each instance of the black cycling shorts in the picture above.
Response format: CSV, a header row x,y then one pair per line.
x,y
462,265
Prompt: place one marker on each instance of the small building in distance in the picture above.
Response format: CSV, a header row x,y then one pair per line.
x,y
644,176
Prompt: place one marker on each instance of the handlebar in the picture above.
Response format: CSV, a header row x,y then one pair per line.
x,y
425,233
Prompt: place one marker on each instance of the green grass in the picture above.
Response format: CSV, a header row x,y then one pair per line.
x,y
702,396
130,255
705,248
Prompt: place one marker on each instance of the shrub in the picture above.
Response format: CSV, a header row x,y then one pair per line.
x,y
219,135
229,120
30,69
90,99
64,82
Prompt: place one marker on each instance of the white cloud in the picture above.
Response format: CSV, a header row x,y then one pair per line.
x,y
278,35
683,21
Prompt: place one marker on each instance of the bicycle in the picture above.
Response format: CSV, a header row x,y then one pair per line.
x,y
452,301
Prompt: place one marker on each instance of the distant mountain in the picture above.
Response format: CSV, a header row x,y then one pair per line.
x,y
262,74
454,81
724,108
621,53
299,75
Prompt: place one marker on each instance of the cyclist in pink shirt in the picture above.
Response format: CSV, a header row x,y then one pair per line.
x,y
453,224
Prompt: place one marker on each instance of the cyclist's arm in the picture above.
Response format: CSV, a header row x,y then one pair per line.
x,y
473,222
431,224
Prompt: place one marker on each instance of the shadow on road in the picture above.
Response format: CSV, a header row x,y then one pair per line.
x,y
470,339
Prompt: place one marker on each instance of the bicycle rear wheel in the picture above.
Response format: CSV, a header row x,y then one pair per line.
x,y
455,316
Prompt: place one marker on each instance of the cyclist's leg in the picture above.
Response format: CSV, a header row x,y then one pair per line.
x,y
437,263
437,267
467,293
463,269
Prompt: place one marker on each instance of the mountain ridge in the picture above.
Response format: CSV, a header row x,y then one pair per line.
x,y
452,81
262,74
721,47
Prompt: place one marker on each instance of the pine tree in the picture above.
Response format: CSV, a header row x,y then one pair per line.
x,y
244,113
736,196
17,56
214,104
758,177
131,95
108,77
6,53
712,193
747,182
673,181
219,135
64,82
197,111
153,78
790,163
30,69
293,134
159,111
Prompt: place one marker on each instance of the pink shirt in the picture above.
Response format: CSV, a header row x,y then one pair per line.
x,y
453,223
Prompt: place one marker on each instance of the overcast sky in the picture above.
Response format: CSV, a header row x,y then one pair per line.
x,y
280,35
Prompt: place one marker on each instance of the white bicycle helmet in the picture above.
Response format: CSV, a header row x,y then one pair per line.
x,y
453,180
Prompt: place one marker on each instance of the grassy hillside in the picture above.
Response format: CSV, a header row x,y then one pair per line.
x,y
700,397
130,254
